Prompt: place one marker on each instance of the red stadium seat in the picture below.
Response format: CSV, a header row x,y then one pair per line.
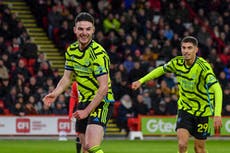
x,y
6,111
115,108
1,104
45,22
31,62
133,124
24,60
31,70
56,35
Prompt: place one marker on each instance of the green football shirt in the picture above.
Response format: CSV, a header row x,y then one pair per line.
x,y
194,82
87,65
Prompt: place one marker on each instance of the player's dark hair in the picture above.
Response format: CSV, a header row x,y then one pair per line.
x,y
190,39
84,16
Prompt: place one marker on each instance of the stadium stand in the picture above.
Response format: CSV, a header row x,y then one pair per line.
x,y
146,33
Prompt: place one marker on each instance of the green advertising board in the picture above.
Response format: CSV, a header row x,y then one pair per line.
x,y
159,125
225,130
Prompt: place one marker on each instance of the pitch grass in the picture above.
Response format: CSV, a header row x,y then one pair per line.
x,y
109,146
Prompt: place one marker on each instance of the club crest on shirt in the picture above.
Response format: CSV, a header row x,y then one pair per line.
x,y
87,63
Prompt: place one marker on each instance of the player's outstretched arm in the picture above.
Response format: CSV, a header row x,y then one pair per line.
x,y
218,105
157,72
62,85
136,85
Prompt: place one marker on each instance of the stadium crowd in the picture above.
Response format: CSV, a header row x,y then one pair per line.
x,y
138,36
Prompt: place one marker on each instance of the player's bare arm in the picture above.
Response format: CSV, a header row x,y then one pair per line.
x,y
135,85
62,85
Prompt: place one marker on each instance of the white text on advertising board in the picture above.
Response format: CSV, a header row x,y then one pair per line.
x,y
227,126
159,125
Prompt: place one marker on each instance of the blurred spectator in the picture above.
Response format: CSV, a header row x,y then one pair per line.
x,y
114,56
6,60
40,93
120,85
32,100
11,98
21,70
223,79
59,109
171,104
203,35
164,88
226,101
227,71
70,3
130,44
5,32
15,46
4,87
1,107
168,33
156,97
56,76
33,85
136,72
29,109
225,56
41,58
20,83
166,51
54,21
19,29
26,92
147,100
18,110
49,83
46,69
182,12
3,71
170,12
161,110
206,49
2,44
111,23
41,79
128,63
169,79
65,35
148,55
46,110
29,50
178,27
140,108
125,111
62,100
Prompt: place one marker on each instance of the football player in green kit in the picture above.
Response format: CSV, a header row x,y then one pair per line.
x,y
90,63
200,95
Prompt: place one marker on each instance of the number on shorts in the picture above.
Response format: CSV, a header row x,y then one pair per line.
x,y
202,127
96,114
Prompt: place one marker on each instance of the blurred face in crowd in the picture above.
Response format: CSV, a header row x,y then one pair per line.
x,y
84,31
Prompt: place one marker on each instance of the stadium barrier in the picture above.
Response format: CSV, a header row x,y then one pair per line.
x,y
53,125
165,126
36,125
